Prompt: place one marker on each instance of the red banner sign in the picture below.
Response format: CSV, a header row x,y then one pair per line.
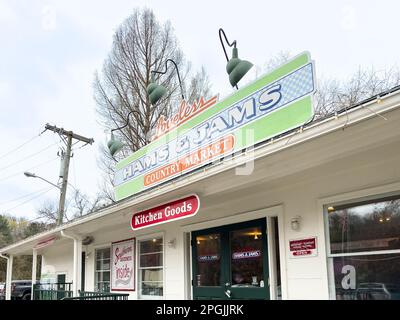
x,y
303,247
44,243
174,210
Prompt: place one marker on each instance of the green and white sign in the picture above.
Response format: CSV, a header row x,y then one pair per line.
x,y
273,104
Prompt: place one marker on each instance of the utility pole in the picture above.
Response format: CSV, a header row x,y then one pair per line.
x,y
67,137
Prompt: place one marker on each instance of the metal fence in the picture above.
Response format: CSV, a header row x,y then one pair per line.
x,y
52,291
63,291
88,295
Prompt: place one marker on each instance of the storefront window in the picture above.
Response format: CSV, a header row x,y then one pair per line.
x,y
247,257
360,237
208,260
151,267
102,271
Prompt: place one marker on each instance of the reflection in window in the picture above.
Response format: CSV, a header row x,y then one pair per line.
x,y
246,257
151,267
360,235
372,277
102,271
208,260
365,227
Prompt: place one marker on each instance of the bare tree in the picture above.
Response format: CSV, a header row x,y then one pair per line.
x,y
141,44
82,205
48,212
199,86
333,96
77,205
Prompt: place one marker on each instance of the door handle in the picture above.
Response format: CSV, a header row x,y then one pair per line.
x,y
228,293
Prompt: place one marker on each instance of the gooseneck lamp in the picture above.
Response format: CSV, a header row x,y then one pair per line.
x,y
156,91
236,68
114,145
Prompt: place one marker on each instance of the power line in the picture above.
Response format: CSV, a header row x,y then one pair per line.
x,y
33,198
24,196
19,147
67,136
20,172
83,196
73,166
38,218
27,157
35,219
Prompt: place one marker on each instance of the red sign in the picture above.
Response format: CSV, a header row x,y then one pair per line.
x,y
174,210
303,247
44,243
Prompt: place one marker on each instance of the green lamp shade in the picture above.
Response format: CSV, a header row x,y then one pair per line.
x,y
114,146
237,68
155,92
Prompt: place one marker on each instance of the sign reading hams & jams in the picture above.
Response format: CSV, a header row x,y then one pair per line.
x,y
207,130
174,210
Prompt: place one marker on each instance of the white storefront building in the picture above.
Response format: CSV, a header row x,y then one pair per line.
x,y
313,213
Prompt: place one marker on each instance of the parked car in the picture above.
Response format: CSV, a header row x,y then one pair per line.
x,y
2,290
21,289
377,291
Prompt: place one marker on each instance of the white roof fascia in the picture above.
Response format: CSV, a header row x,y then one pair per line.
x,y
345,119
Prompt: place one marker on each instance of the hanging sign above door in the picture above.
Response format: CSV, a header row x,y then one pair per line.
x,y
174,210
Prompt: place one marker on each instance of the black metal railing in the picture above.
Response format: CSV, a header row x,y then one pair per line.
x,y
63,291
52,291
88,295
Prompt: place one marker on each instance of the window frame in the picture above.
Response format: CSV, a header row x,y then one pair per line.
x,y
140,239
95,267
353,199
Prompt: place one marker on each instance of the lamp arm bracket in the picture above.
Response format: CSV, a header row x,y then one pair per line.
x,y
222,32
127,121
177,71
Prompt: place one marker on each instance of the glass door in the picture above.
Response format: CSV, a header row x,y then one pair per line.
x,y
231,262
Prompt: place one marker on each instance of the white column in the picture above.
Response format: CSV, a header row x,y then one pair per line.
x,y
34,267
9,277
76,277
77,256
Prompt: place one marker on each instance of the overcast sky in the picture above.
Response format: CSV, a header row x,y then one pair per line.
x,y
51,49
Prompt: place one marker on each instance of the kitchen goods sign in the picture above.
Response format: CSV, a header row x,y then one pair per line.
x,y
123,265
174,210
306,247
208,130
